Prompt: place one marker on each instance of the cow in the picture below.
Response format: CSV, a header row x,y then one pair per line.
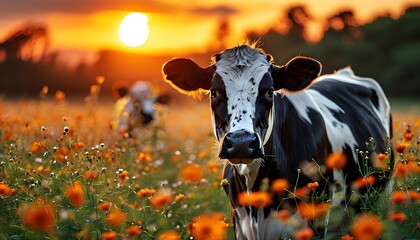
x,y
271,121
135,108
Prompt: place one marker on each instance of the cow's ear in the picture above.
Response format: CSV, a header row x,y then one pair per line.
x,y
186,76
297,74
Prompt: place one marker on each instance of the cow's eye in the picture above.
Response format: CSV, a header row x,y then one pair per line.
x,y
213,93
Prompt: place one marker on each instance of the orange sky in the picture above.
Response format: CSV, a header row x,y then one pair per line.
x,y
85,26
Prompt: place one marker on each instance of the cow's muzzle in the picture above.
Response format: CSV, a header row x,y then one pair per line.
x,y
240,147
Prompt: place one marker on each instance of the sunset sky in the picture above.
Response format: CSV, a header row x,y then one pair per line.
x,y
86,26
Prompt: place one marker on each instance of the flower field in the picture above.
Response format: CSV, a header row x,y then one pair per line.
x,y
66,175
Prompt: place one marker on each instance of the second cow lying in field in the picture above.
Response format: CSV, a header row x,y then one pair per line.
x,y
282,122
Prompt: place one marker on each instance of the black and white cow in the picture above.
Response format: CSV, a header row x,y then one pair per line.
x,y
271,121
136,107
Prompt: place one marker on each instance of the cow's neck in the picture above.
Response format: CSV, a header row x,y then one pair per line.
x,y
249,172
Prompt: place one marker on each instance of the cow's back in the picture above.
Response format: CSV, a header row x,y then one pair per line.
x,y
357,117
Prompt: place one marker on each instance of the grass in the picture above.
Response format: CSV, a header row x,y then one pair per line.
x,y
164,180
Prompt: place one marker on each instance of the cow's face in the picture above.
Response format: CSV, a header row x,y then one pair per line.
x,y
241,82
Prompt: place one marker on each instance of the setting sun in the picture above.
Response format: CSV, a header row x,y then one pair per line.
x,y
134,30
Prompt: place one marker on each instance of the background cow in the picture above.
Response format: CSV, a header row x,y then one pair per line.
x,y
270,125
135,107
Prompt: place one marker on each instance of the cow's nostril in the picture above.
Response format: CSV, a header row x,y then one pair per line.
x,y
227,143
254,144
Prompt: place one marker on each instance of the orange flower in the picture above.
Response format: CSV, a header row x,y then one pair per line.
x,y
301,192
90,175
115,218
312,210
104,206
284,215
162,198
367,226
39,215
363,182
399,197
144,157
110,235
258,199
5,190
280,185
313,185
336,160
76,194
400,148
76,146
397,217
304,234
192,173
37,147
179,197
168,235
145,192
414,195
347,237
59,96
209,226
62,154
382,157
133,231
405,169
213,166
124,175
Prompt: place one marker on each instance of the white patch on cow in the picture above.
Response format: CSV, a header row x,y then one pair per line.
x,y
347,75
240,90
257,227
302,102
250,172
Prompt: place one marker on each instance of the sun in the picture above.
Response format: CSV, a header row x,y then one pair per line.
x,y
134,30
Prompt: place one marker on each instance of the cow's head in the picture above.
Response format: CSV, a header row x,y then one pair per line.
x,y
241,82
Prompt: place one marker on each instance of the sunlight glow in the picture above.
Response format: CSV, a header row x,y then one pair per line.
x,y
134,30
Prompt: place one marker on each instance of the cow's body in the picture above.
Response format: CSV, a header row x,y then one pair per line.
x,y
266,134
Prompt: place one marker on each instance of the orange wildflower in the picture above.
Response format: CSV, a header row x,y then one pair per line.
x,y
301,192
347,237
169,235
408,135
397,217
336,160
133,231
399,197
405,169
145,192
5,190
62,154
39,215
162,198
144,157
37,147
76,194
363,182
110,235
367,226
284,215
382,157
192,173
211,226
76,146
414,195
115,218
304,234
213,166
280,185
179,197
258,199
124,175
312,210
90,175
104,206
59,96
313,185
400,148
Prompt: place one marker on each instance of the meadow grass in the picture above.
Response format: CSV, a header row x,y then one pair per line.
x,y
66,175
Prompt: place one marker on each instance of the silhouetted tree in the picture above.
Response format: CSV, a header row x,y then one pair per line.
x,y
26,43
